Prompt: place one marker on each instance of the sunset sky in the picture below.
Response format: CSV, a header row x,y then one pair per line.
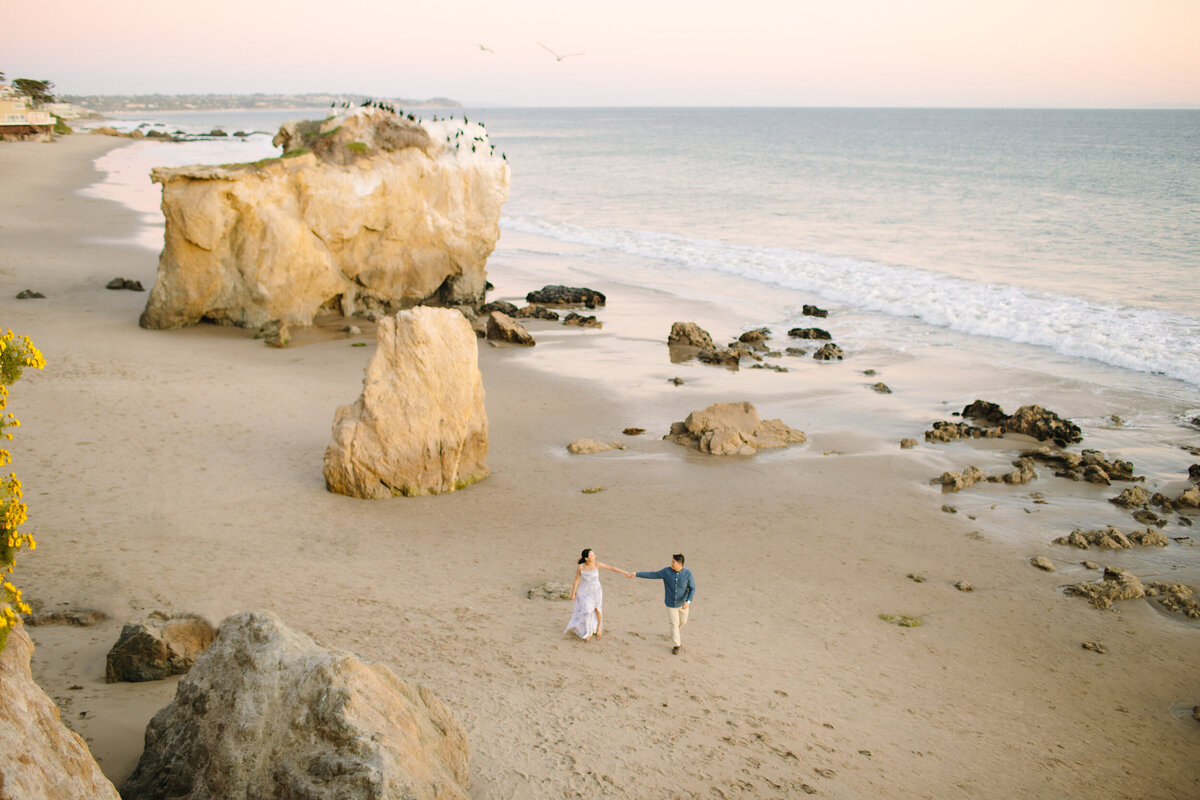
x,y
1025,53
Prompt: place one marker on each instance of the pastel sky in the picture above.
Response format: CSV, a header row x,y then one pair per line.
x,y
1026,53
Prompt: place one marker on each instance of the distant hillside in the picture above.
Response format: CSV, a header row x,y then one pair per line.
x,y
212,102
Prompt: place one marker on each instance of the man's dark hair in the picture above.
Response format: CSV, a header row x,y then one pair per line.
x,y
678,557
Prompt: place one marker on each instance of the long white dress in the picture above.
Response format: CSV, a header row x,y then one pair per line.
x,y
588,599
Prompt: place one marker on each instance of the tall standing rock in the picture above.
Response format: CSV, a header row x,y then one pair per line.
x,y
420,426
365,209
267,712
40,759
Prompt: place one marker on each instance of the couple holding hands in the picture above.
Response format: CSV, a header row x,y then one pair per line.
x,y
586,618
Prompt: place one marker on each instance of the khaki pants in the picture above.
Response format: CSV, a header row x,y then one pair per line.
x,y
678,617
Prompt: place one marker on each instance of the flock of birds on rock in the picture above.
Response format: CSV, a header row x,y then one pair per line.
x,y
391,109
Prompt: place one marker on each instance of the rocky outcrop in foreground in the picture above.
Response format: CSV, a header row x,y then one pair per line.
x,y
40,759
267,712
365,210
732,429
157,647
419,426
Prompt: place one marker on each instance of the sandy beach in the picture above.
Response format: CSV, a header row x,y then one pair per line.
x,y
181,471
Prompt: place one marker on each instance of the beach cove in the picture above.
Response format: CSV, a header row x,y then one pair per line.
x,y
181,471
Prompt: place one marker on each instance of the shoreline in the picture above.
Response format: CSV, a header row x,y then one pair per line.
x,y
201,491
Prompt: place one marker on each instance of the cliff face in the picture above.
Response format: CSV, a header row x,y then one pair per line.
x,y
366,209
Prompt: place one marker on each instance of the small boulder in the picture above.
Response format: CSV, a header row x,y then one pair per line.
x,y
829,352
757,336
536,312
1117,584
881,388
30,294
951,481
1194,473
503,328
502,306
1042,563
1190,498
908,444
963,586
813,311
732,429
554,295
157,647
275,333
580,321
125,283
1133,497
688,334
810,333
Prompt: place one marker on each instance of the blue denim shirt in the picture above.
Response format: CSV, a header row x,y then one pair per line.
x,y
680,586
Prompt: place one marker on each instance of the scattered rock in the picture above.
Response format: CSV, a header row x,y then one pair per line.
x,y
275,333
157,647
796,351
30,294
1133,497
916,578
1096,647
1190,498
1112,539
1091,565
1175,597
353,330
1148,517
676,381
882,388
592,490
947,509
956,481
503,306
1088,465
722,358
580,321
549,591
908,444
267,712
419,426
1042,563
774,367
688,334
40,759
829,352
633,431
813,311
1117,584
732,429
756,336
125,283
586,447
963,586
952,431
536,312
554,295
1116,421
1030,420
810,333
503,328
1194,473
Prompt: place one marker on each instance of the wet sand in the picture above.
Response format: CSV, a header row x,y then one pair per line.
x,y
181,471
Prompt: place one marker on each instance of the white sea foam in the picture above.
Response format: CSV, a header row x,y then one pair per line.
x,y
1142,339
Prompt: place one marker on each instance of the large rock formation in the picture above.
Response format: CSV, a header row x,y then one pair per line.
x,y
419,426
157,647
40,759
732,429
367,209
267,712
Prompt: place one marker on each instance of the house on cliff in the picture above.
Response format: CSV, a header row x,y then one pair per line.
x,y
18,119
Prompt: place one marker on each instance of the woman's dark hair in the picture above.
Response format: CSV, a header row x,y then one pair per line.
x,y
678,557
583,555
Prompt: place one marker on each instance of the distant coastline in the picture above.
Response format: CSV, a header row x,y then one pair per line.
x,y
112,103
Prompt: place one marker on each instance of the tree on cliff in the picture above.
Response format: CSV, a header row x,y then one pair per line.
x,y
38,92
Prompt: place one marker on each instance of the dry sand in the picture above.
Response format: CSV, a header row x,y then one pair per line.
x,y
181,471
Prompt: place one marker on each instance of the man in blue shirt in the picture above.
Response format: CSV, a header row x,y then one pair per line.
x,y
680,588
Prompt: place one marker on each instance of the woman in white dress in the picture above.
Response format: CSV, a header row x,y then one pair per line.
x,y
586,618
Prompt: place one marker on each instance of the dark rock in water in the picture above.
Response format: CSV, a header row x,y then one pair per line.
x,y
796,351
1148,517
688,334
555,295
1030,420
158,647
951,431
580,321
156,134
1089,465
774,367
870,373
1194,473
1133,497
502,306
30,294
882,388
536,312
829,352
813,311
810,333
633,431
217,132
676,381
722,358
125,283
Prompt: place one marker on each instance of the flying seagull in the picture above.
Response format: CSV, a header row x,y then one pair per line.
x,y
557,57
486,49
